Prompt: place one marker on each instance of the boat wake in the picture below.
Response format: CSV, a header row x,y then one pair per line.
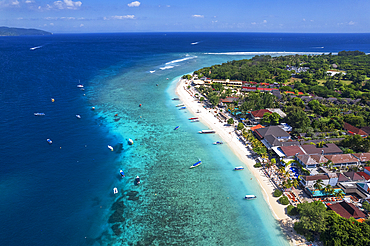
x,y
166,67
153,71
34,48
181,60
194,43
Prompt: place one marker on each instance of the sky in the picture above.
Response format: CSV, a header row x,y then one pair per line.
x,y
107,16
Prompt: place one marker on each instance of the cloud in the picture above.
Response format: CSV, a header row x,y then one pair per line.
x,y
264,21
134,4
28,1
304,19
351,23
253,23
81,25
120,17
67,4
197,16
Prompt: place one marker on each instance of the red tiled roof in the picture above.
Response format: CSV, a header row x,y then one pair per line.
x,y
300,93
267,89
364,175
229,99
249,87
367,168
342,158
260,113
257,127
364,157
316,177
329,148
289,92
347,210
354,130
292,150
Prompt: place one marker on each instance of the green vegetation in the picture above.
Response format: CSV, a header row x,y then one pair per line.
x,y
366,206
291,210
240,126
257,165
9,31
230,121
277,193
284,200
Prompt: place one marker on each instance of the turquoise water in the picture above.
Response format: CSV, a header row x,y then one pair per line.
x,y
62,194
175,204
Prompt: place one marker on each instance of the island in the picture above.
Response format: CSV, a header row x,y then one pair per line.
x,y
12,31
301,124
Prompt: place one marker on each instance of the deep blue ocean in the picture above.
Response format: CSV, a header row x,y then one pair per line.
x,y
62,194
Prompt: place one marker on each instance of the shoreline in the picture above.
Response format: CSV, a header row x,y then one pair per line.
x,y
229,136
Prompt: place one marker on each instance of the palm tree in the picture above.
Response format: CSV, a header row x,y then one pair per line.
x,y
295,183
282,170
328,188
340,194
264,156
287,184
318,185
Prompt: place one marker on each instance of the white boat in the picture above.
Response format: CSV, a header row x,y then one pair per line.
x,y
78,116
250,197
218,142
80,86
196,164
206,131
38,114
49,141
115,190
137,180
196,120
180,105
130,142
110,147
238,168
122,173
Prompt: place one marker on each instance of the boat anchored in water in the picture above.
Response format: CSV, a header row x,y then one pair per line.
x,y
196,164
196,120
180,105
250,197
122,173
110,147
130,142
38,114
182,108
238,168
206,131
137,180
49,141
115,190
218,142
78,116
193,118
177,127
176,98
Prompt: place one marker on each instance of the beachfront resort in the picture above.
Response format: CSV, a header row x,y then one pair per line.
x,y
305,123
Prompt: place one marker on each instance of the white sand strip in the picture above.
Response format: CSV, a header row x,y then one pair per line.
x,y
228,135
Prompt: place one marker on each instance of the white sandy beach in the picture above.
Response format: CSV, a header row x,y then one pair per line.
x,y
228,135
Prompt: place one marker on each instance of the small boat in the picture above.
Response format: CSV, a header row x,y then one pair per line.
x,y
218,142
78,116
115,190
177,127
140,105
180,105
93,108
193,118
137,180
122,173
52,100
176,98
182,108
49,141
198,111
80,86
38,114
130,142
207,131
250,197
238,168
196,164
110,147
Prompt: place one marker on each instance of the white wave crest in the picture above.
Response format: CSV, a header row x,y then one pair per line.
x,y
263,53
166,67
181,60
37,47
153,71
